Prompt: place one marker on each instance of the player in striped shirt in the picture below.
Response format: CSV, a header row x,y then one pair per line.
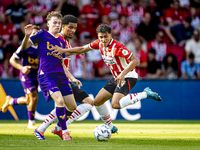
x,y
122,65
69,25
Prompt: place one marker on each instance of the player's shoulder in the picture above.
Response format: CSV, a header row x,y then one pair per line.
x,y
95,43
60,36
41,31
117,44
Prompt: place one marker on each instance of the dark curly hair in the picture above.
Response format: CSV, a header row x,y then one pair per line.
x,y
69,18
174,62
103,28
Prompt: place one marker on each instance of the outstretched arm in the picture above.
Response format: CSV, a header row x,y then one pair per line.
x,y
26,43
75,50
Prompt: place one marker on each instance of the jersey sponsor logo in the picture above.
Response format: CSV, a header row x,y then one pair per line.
x,y
55,55
50,46
109,61
32,60
125,52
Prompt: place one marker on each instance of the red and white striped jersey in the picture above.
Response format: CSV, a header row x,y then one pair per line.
x,y
37,19
116,56
67,59
135,16
161,49
7,31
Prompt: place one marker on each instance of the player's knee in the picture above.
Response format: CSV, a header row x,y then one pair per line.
x,y
96,103
72,108
115,105
27,101
59,102
88,100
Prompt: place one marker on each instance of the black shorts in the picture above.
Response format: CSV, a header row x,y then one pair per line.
x,y
111,86
79,94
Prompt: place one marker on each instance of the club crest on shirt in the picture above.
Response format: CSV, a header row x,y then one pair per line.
x,y
125,52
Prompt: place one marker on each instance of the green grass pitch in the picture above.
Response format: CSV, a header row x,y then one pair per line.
x,y
133,135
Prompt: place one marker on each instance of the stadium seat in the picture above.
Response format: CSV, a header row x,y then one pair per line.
x,y
180,54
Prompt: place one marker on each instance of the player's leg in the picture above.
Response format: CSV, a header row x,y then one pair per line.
x,y
33,98
86,104
49,85
14,101
70,106
121,99
48,121
105,94
61,109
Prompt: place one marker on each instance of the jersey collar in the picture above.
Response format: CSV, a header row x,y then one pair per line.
x,y
110,42
64,36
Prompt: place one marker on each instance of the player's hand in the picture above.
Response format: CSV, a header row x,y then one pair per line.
x,y
77,82
26,69
28,29
59,49
120,81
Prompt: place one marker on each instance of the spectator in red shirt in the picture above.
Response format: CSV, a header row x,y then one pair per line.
x,y
9,50
135,13
124,30
92,12
38,12
160,47
7,30
84,29
2,57
175,15
142,57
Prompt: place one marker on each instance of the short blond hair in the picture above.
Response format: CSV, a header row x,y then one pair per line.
x,y
54,14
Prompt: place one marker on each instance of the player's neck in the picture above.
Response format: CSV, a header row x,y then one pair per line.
x,y
66,37
54,34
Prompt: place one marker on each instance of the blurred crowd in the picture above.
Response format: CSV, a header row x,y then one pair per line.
x,y
163,34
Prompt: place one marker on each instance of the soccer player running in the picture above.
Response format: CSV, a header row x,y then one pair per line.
x,y
51,75
122,64
28,77
69,25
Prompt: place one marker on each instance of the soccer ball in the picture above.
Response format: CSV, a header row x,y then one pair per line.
x,y
102,133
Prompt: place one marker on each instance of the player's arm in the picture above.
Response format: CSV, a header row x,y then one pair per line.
x,y
14,62
71,77
26,43
75,50
133,63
